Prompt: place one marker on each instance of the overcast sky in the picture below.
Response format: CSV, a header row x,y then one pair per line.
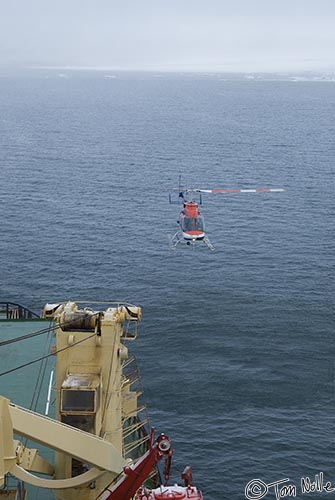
x,y
208,35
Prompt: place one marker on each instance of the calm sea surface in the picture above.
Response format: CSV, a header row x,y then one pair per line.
x,y
236,348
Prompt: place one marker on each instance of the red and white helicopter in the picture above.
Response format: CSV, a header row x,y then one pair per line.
x,y
191,222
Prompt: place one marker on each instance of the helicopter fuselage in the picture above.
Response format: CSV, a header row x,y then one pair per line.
x,y
191,222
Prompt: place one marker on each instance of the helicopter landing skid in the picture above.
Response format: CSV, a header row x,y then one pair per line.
x,y
178,238
207,242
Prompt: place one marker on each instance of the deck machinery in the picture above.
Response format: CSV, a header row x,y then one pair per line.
x,y
102,448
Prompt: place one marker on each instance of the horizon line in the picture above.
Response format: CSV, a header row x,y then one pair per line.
x,y
70,67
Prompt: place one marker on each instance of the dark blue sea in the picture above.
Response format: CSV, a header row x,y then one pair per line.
x,y
236,348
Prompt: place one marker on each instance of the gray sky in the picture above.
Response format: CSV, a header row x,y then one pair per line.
x,y
207,35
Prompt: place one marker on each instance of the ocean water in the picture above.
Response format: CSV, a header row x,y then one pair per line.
x,y
236,348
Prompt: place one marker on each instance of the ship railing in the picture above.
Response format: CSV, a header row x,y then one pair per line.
x,y
131,376
129,331
134,445
126,416
14,311
13,489
135,427
128,361
131,379
21,493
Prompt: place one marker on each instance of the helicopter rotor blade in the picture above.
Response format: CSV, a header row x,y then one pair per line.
x,y
225,191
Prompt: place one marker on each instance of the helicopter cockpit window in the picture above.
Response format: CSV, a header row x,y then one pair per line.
x,y
194,224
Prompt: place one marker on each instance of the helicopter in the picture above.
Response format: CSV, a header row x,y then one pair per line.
x,y
191,222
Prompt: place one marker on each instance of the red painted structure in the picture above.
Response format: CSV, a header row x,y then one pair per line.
x,y
135,475
130,485
191,209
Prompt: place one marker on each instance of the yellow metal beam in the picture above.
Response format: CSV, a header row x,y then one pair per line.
x,y
29,459
7,451
56,484
66,439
